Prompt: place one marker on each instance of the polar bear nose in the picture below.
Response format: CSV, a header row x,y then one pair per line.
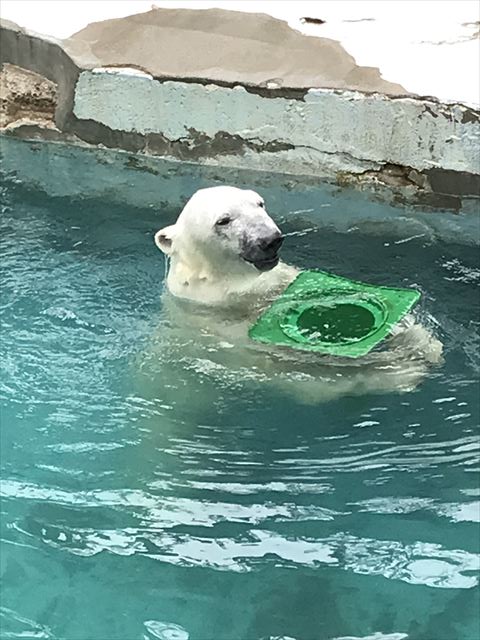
x,y
273,243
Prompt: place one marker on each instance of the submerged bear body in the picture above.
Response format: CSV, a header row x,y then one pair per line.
x,y
224,269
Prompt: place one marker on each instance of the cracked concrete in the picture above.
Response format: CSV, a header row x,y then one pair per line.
x,y
405,131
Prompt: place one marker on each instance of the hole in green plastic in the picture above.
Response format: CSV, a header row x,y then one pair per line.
x,y
338,318
335,324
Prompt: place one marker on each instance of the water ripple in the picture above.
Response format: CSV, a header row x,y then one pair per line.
x,y
455,512
16,627
400,457
164,631
170,512
420,563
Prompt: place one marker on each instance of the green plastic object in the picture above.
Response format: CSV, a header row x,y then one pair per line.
x,y
326,313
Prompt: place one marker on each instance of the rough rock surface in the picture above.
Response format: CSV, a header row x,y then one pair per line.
x,y
229,47
25,96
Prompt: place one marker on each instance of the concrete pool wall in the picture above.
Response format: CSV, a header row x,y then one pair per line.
x,y
77,174
287,103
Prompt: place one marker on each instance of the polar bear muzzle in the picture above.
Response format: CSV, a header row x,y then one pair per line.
x,y
262,252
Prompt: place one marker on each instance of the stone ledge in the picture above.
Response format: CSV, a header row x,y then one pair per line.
x,y
365,128
342,135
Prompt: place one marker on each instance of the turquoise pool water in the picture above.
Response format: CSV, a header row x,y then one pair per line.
x,y
126,515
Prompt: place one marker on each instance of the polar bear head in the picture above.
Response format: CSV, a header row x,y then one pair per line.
x,y
223,233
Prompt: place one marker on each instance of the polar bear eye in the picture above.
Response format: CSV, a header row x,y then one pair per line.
x,y
261,204
222,222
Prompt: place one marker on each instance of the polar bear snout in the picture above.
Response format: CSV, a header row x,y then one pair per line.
x,y
272,244
262,251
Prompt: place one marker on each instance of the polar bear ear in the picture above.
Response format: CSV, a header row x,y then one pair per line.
x,y
164,239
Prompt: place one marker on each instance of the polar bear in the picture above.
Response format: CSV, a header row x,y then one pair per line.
x,y
224,269
223,250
